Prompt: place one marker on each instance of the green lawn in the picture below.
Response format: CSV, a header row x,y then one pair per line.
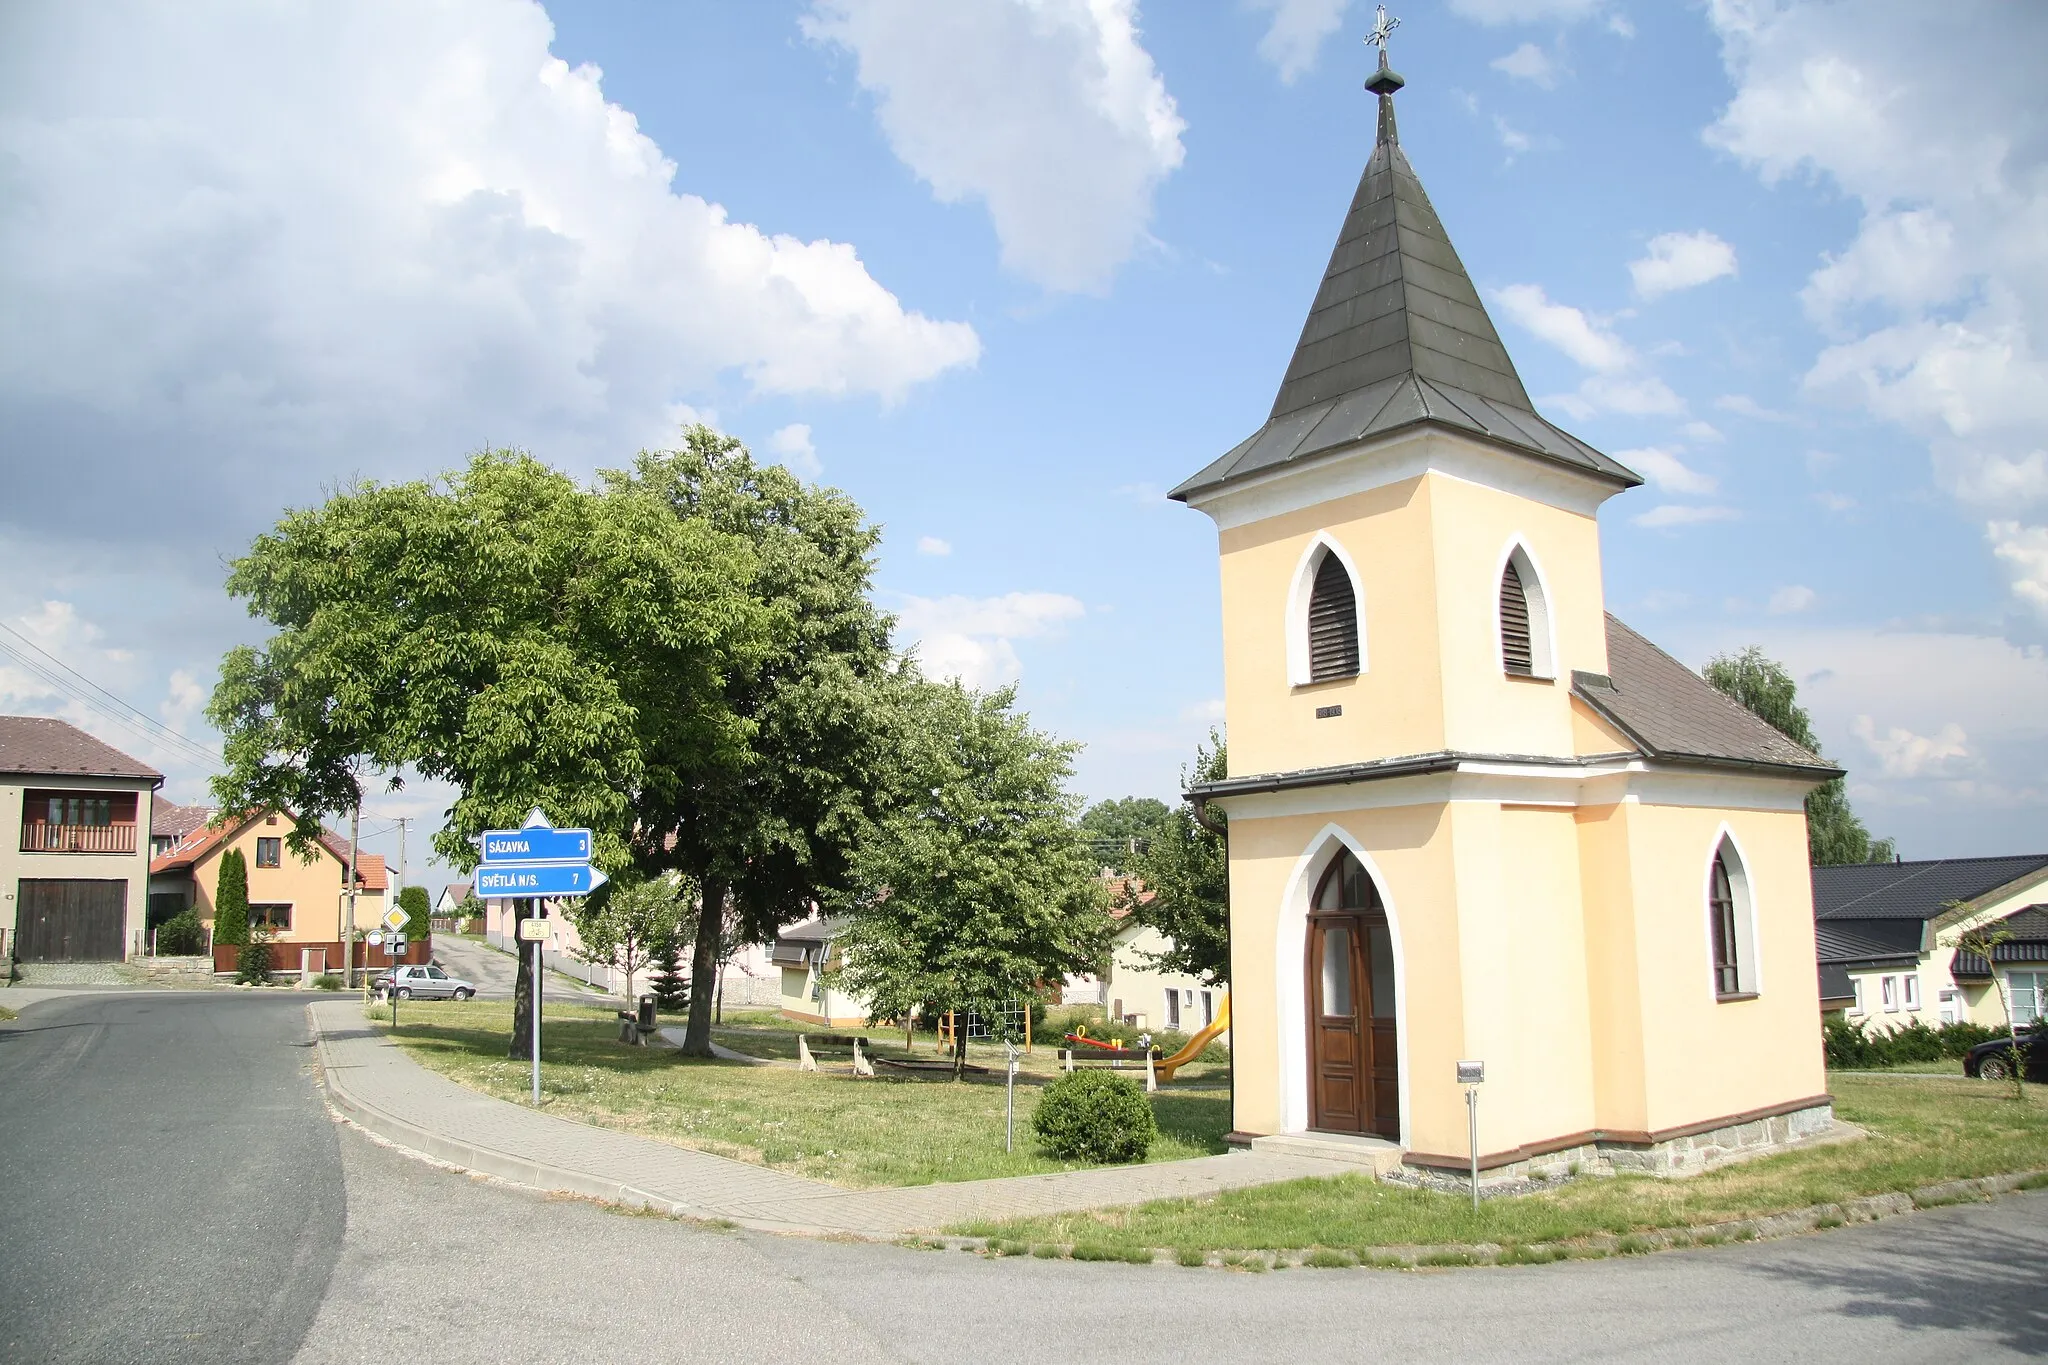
x,y
767,1034
890,1130
1922,1132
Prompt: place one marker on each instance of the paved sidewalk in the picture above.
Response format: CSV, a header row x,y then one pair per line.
x,y
375,1084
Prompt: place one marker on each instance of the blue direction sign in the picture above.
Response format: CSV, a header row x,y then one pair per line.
x,y
538,842
537,879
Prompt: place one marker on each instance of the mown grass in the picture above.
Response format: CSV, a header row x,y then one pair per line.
x,y
860,1133
768,1035
7,1015
1922,1132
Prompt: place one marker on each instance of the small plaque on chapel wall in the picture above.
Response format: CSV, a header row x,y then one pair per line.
x,y
1325,712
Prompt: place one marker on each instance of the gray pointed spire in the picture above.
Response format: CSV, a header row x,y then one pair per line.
x,y
1397,336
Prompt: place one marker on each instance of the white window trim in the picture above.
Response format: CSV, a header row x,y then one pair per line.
x,y
1542,622
2040,989
1912,990
1856,988
1749,974
1891,995
1297,607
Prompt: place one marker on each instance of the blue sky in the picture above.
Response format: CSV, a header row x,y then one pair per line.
x,y
1007,270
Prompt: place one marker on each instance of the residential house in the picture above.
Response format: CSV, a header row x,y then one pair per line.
x,y
301,900
804,954
452,898
74,885
1137,990
1473,816
1886,938
170,824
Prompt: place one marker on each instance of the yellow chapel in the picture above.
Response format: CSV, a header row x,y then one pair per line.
x,y
1471,815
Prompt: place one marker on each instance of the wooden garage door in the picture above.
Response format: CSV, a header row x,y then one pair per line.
x,y
70,921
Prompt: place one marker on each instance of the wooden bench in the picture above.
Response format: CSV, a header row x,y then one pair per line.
x,y
1114,1059
928,1065
807,1054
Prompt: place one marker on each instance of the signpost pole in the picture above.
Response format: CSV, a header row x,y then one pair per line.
x,y
536,1013
1472,1124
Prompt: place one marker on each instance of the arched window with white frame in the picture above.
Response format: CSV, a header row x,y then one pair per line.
x,y
1325,617
1526,647
1731,924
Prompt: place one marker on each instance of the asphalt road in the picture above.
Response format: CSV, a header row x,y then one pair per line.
x,y
496,973
127,1232
170,1185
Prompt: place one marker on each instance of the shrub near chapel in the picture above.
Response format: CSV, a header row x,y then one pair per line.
x,y
1095,1116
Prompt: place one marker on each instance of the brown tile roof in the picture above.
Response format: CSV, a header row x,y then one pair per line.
x,y
36,746
169,820
200,842
1669,711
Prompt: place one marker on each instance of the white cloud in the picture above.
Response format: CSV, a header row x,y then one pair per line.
x,y
2024,551
1901,753
1678,514
1493,12
1667,471
1514,139
1297,32
247,251
1790,600
1050,112
970,638
183,700
1742,405
1634,395
1528,63
793,444
932,545
1702,431
1834,502
1681,260
1568,329
1936,310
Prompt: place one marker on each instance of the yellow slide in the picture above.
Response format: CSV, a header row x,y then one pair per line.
x,y
1166,1068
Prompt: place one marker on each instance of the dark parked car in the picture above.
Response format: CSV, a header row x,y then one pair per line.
x,y
1993,1060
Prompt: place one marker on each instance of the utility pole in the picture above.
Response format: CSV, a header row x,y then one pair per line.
x,y
403,821
348,934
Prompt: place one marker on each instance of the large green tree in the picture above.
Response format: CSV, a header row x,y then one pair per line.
x,y
766,826
1121,828
978,884
528,640
1833,832
1187,869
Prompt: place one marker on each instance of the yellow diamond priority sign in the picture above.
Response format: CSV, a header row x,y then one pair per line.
x,y
395,919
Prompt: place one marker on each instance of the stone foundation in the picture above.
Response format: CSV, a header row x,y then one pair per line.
x,y
1678,1156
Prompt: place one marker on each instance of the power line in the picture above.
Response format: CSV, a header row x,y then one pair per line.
x,y
68,681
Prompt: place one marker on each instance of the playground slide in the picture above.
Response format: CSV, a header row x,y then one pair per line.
x,y
1168,1066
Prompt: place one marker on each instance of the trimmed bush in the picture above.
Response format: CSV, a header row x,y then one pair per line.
x,y
1095,1116
1849,1048
181,935
327,982
418,913
252,963
231,899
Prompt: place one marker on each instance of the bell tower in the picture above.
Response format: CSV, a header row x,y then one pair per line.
x,y
1410,556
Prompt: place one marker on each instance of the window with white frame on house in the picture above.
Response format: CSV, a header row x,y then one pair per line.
x,y
1208,1008
1856,991
1891,994
2028,994
1172,1007
1912,988
1950,1011
1730,925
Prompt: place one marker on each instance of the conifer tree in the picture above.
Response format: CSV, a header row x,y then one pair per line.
x,y
231,900
671,983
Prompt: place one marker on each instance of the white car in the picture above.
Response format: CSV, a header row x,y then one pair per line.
x,y
427,983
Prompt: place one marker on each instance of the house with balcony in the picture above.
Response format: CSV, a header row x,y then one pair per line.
x,y
74,873
301,901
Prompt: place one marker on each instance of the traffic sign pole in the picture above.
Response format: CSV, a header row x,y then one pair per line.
x,y
536,1015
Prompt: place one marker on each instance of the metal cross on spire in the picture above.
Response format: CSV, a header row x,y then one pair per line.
x,y
1382,28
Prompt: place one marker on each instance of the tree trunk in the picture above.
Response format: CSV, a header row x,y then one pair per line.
x,y
704,968
522,990
959,1049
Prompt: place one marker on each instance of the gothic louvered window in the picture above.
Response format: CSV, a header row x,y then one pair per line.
x,y
1332,623
1721,911
1515,652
